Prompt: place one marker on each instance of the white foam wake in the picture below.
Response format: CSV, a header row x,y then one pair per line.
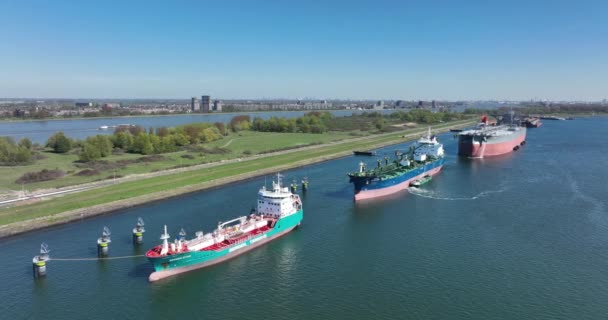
x,y
434,195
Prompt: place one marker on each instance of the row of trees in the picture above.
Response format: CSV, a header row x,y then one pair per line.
x,y
135,139
312,122
545,108
320,122
426,116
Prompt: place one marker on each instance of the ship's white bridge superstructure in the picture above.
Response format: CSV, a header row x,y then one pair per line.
x,y
428,146
277,202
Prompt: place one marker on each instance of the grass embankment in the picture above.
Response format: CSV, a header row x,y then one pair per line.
x,y
236,145
73,206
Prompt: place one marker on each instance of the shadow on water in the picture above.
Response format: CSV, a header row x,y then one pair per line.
x,y
139,249
487,160
346,192
40,285
141,270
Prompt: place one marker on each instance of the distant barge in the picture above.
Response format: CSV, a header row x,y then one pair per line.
x,y
552,118
364,153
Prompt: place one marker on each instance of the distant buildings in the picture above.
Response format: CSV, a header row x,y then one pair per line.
x,y
217,106
110,105
433,105
379,105
194,105
205,104
83,104
18,113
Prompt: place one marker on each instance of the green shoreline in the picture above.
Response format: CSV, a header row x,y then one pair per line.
x,y
167,115
71,207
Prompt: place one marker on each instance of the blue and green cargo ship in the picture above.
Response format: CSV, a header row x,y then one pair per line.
x,y
425,159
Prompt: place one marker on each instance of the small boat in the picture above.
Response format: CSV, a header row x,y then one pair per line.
x,y
103,128
418,182
364,153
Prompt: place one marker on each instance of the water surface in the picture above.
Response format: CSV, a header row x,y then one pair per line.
x,y
524,236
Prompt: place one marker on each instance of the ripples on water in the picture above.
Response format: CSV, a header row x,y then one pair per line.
x,y
520,237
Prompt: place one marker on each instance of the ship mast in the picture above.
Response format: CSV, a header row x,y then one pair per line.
x,y
277,186
165,238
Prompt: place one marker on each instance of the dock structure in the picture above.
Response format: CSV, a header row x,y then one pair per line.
x,y
103,243
138,232
39,261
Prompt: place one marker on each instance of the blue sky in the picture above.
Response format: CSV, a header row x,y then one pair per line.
x,y
305,49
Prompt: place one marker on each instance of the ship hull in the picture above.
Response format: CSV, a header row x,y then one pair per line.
x,y
168,266
400,183
473,147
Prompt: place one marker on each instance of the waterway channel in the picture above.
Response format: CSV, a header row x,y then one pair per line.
x,y
523,236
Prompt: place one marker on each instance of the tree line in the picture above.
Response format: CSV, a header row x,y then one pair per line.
x,y
311,122
320,122
544,108
135,139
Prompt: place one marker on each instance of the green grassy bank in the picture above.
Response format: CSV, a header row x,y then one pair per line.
x,y
31,216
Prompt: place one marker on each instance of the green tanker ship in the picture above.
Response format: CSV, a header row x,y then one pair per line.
x,y
278,212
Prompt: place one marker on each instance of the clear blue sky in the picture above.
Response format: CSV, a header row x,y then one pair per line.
x,y
298,49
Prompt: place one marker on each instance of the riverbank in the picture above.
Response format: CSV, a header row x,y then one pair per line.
x,y
124,166
46,213
17,120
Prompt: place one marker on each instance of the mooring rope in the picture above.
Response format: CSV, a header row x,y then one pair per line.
x,y
93,259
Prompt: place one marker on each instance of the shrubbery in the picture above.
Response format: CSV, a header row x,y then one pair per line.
x,y
12,154
44,175
238,123
312,122
59,143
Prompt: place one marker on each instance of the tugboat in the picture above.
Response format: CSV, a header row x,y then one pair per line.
x,y
278,212
418,182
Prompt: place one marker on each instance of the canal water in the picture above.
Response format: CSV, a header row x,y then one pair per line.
x,y
39,131
523,236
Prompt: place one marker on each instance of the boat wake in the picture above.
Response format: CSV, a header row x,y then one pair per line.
x,y
434,195
597,207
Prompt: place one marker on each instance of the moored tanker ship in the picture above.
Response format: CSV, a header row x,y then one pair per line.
x,y
278,212
424,159
487,141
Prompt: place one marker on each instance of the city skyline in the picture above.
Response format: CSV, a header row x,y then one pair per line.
x,y
390,50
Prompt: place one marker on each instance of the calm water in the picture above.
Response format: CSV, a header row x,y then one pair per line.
x,y
40,131
523,236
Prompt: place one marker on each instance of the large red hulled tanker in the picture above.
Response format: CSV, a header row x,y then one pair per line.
x,y
487,141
